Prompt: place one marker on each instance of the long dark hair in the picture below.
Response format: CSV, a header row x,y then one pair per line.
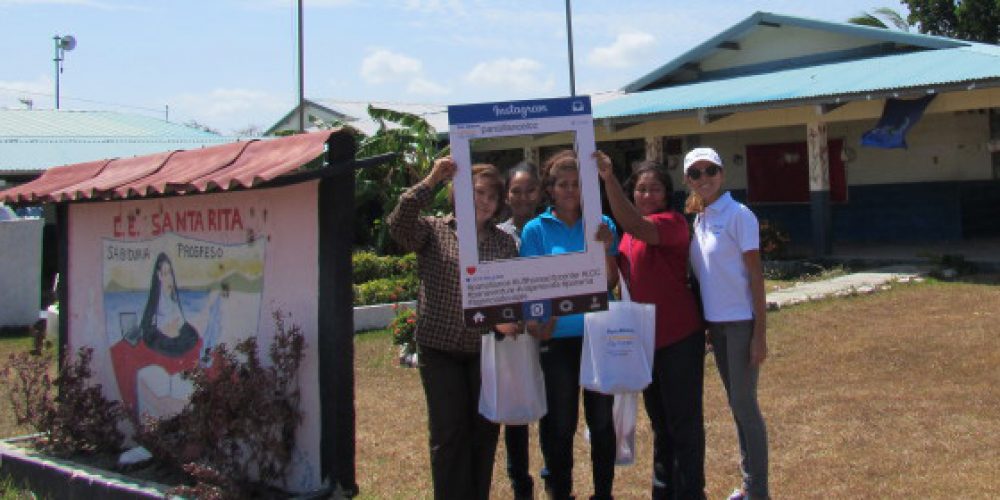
x,y
151,334
661,175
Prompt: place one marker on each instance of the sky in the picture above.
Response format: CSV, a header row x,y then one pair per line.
x,y
232,64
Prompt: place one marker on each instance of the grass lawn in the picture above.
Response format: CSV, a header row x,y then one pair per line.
x,y
887,395
10,344
878,396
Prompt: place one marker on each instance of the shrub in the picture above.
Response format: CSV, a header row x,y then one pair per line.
x,y
384,290
72,415
403,327
368,266
237,433
773,240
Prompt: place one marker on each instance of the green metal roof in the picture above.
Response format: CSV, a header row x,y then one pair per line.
x,y
872,78
60,123
876,63
34,140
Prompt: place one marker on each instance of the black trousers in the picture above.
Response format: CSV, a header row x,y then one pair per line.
x,y
462,442
560,360
674,404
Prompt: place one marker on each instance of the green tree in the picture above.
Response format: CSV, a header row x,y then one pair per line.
x,y
976,20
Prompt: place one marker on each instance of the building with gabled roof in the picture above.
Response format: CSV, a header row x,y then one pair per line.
x,y
786,101
32,140
355,115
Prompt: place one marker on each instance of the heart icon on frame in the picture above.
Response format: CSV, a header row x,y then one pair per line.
x,y
471,270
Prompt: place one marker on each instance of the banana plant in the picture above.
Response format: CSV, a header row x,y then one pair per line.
x,y
417,146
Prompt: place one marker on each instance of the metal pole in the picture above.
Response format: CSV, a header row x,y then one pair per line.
x,y
57,60
569,38
301,107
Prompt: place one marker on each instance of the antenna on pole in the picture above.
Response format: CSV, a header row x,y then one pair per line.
x,y
63,44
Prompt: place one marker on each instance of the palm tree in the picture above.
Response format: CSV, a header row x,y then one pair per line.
x,y
878,17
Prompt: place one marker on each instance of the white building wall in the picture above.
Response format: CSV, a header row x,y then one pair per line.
x,y
20,271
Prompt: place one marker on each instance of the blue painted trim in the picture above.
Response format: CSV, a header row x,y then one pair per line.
x,y
913,212
518,110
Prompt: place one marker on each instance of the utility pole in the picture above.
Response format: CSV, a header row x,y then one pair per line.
x,y
302,99
63,45
569,38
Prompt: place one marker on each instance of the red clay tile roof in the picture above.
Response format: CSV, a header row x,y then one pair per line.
x,y
227,166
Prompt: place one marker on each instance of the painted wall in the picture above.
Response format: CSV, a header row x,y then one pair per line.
x,y
940,188
768,45
20,271
235,258
942,147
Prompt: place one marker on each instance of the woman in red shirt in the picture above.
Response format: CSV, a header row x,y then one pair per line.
x,y
653,257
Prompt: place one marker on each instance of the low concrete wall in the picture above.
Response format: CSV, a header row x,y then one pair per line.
x,y
377,316
49,477
20,271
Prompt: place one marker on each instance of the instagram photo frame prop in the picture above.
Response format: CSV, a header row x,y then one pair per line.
x,y
536,287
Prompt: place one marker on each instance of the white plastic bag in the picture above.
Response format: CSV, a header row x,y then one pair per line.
x,y
625,408
618,347
513,389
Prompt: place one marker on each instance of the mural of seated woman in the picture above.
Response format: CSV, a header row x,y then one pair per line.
x,y
149,368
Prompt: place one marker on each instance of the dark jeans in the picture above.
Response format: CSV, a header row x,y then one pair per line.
x,y
516,439
560,359
462,442
674,404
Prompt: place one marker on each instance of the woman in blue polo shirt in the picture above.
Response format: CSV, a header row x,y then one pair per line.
x,y
725,257
560,229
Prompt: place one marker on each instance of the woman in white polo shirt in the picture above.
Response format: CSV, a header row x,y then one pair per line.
x,y
725,257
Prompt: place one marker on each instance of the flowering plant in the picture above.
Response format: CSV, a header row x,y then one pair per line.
x,y
403,327
773,240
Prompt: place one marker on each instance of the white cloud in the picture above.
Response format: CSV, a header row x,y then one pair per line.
x,y
230,108
384,66
435,6
75,3
626,50
40,91
521,75
424,86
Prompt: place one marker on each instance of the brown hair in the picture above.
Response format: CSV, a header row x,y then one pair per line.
x,y
492,176
562,160
694,204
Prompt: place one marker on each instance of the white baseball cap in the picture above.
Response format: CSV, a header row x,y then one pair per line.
x,y
701,154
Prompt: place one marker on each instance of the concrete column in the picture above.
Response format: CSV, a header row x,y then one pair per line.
x,y
654,149
819,187
531,155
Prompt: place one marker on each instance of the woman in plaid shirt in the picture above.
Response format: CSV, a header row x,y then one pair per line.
x,y
462,442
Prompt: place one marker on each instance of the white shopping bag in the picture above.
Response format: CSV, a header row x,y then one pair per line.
x,y
513,389
618,347
625,408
